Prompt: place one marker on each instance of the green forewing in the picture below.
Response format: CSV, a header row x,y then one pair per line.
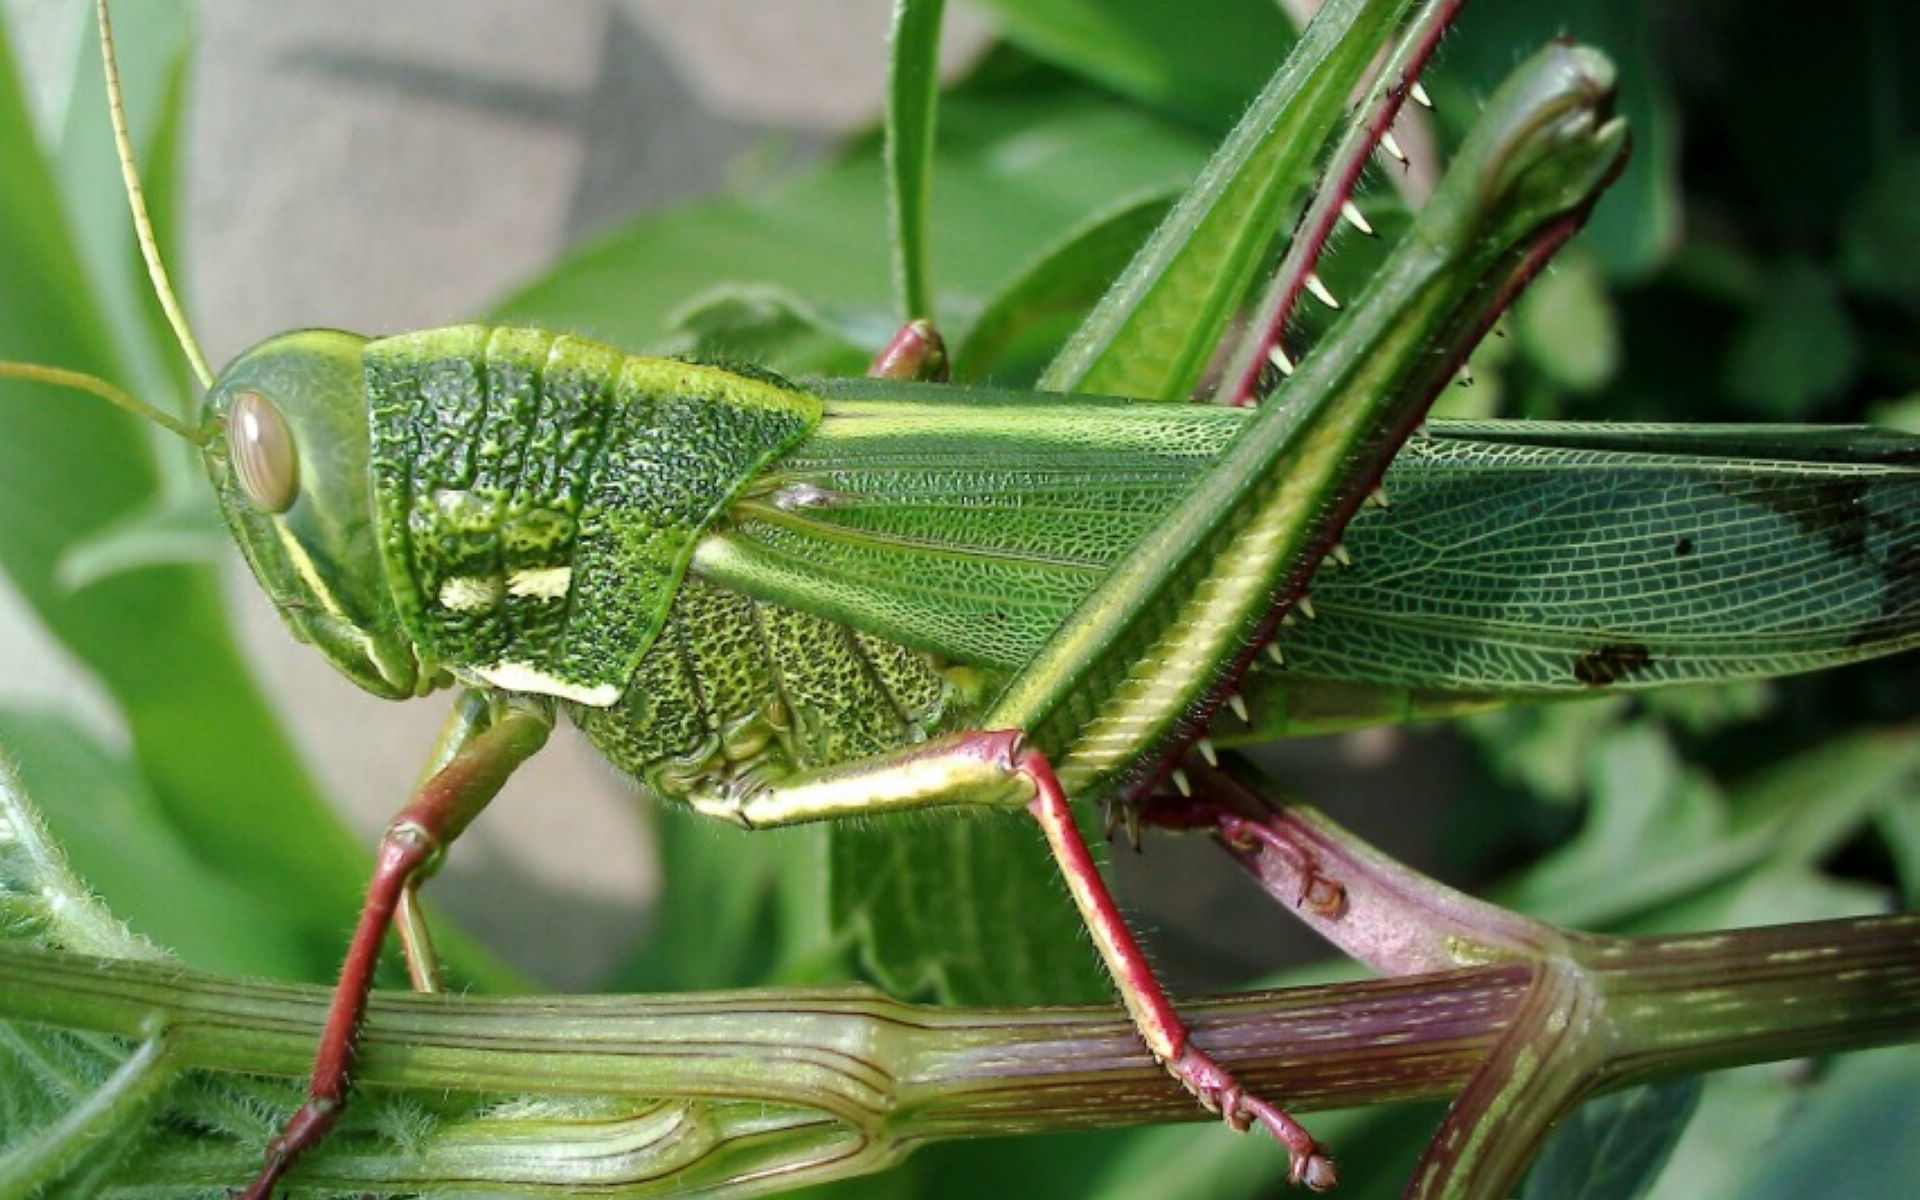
x,y
964,523
538,497
1513,558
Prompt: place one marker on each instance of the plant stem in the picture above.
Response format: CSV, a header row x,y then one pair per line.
x,y
1685,1004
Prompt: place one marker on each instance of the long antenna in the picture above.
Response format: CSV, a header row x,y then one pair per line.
x,y
96,386
136,200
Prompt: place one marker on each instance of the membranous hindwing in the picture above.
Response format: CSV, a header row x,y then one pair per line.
x,y
538,497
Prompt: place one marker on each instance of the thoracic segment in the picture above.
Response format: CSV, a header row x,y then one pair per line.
x,y
538,496
735,692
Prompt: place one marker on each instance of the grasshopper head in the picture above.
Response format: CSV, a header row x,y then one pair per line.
x,y
287,453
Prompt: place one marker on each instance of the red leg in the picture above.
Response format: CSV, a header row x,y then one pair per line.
x,y
1153,1013
1319,892
440,809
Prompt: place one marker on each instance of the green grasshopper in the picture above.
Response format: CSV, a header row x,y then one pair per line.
x,y
779,602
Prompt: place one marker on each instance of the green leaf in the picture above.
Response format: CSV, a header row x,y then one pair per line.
x,y
763,323
41,900
739,908
1200,60
1614,1147
174,530
1856,1133
1798,348
1023,161
72,1106
1566,324
152,42
1063,282
1900,826
1880,242
110,825
913,93
1664,849
971,910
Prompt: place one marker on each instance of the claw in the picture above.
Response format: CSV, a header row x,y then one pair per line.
x,y
1323,897
1218,1091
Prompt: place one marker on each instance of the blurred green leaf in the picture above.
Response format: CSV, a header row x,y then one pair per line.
x,y
1023,160
968,909
174,530
739,908
1880,242
1060,285
1613,1147
1200,60
1900,825
115,833
1664,848
1798,348
1856,1133
1566,324
760,323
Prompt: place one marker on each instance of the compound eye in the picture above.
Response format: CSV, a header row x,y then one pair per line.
x,y
262,450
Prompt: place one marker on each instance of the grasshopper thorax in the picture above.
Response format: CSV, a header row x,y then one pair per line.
x,y
288,456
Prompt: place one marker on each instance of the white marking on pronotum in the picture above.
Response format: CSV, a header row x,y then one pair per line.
x,y
541,583
470,593
1318,287
524,677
